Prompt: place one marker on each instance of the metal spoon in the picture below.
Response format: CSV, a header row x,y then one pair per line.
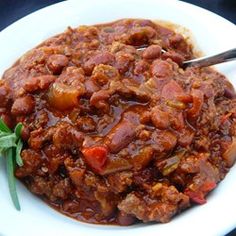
x,y
212,60
208,60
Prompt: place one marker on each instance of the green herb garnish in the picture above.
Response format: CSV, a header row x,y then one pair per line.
x,y
10,147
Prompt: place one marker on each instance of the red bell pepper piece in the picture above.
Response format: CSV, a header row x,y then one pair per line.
x,y
199,194
95,157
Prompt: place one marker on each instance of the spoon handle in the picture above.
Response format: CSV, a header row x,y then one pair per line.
x,y
212,60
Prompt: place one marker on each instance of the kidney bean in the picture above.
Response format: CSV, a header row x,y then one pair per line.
x,y
152,52
56,63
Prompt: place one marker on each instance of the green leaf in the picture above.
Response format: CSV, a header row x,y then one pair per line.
x,y
11,178
4,127
19,146
10,147
2,134
18,129
3,151
8,141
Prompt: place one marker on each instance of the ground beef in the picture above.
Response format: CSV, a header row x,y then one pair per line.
x,y
151,207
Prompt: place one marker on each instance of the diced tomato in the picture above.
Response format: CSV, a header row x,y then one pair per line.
x,y
208,186
199,194
197,197
96,157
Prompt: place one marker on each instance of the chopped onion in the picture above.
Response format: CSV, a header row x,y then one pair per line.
x,y
62,96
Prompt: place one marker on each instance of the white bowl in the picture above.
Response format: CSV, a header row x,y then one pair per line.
x,y
212,33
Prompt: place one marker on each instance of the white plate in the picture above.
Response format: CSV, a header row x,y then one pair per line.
x,y
213,34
